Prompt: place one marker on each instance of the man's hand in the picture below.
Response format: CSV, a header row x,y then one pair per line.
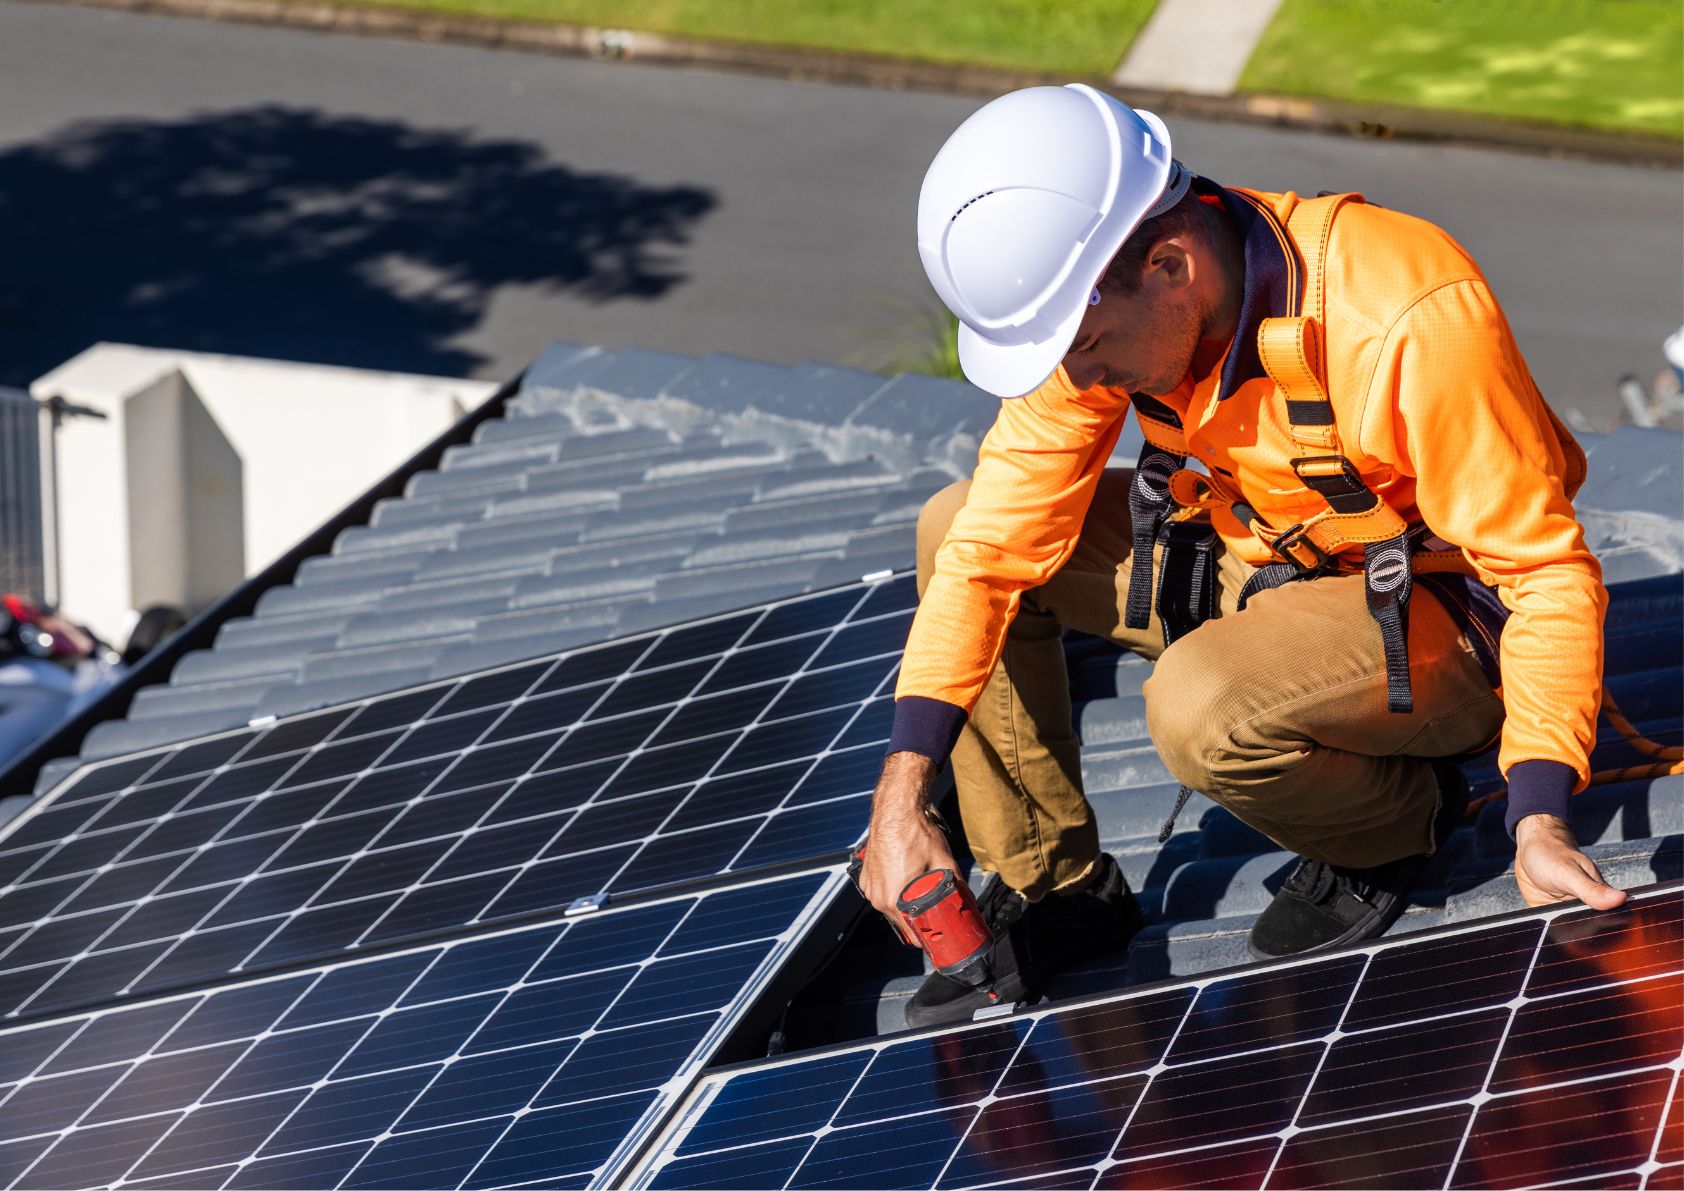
x,y
905,841
1549,867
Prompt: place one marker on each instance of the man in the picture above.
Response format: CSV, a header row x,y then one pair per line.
x,y
1371,557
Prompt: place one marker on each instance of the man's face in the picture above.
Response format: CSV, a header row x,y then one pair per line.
x,y
1141,341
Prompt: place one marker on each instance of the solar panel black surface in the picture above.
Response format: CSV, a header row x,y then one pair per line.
x,y
539,1053
711,749
1538,1049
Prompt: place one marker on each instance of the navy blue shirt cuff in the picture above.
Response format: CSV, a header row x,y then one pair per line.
x,y
1538,788
925,726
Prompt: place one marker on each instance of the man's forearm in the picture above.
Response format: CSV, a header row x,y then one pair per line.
x,y
904,786
906,839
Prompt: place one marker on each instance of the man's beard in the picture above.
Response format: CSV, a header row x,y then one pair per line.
x,y
1182,327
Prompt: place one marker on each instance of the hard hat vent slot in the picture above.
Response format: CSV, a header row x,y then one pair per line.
x,y
961,210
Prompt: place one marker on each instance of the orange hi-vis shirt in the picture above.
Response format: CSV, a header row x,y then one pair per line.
x,y
1435,408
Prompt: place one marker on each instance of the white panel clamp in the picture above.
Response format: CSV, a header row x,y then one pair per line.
x,y
586,905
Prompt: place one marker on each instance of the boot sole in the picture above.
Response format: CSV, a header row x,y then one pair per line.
x,y
1370,926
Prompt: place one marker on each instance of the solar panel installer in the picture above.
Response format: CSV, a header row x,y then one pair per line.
x,y
1348,545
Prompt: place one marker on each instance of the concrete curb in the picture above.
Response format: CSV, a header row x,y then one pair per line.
x,y
1375,122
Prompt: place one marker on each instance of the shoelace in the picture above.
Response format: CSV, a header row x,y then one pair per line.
x,y
1317,882
1001,907
1312,880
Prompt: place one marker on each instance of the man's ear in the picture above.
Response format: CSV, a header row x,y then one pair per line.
x,y
1170,264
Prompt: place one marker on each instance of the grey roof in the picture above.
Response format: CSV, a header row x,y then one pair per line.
x,y
620,490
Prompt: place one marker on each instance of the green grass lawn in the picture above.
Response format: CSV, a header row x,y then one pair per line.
x,y
1074,36
1611,64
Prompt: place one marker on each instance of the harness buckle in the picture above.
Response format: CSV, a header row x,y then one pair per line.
x,y
1293,544
1321,472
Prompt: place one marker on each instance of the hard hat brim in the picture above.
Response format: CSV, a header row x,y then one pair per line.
x,y
1017,369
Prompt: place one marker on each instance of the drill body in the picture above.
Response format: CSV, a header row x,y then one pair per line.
x,y
939,913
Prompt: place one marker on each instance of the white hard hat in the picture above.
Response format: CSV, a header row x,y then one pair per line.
x,y
1022,210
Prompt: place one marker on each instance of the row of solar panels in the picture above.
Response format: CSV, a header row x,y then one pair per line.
x,y
1541,1049
369,947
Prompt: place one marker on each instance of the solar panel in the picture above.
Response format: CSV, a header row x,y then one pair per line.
x,y
1541,1048
711,749
540,1052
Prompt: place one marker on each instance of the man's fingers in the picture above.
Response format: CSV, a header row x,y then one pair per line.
x,y
1585,882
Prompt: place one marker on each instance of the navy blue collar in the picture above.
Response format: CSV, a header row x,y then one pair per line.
x,y
1271,280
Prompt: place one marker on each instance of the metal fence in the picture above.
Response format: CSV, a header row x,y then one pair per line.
x,y
22,564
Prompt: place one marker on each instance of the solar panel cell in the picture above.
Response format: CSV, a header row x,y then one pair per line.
x,y
1623,1027
1635,941
707,639
826,828
767,1165
199,758
1225,1100
1412,1066
895,1156
873,638
1444,975
1555,1134
1267,1009
106,779
1416,1150
762,1105
1043,1132
97,1156
494,689
308,1168
913,1077
562,1141
1222,1167
144,805
1098,1042
819,614
302,732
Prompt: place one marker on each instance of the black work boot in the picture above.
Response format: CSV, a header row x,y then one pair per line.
x,y
1322,906
1031,940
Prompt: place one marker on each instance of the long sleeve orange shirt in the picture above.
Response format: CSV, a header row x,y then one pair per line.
x,y
1436,409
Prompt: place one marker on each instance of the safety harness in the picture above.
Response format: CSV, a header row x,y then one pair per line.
x,y
1170,505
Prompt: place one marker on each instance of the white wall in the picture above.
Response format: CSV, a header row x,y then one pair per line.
x,y
308,440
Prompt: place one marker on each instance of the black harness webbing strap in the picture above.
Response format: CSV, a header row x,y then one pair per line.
x,y
1387,575
1268,576
1149,505
1186,578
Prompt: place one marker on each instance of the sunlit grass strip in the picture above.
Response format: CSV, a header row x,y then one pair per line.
x,y
1609,64
1085,37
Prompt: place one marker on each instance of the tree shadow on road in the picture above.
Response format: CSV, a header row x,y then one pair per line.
x,y
289,233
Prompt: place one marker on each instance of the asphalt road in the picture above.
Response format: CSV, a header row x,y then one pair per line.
x,y
450,210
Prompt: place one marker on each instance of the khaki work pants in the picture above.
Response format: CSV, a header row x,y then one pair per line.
x,y
1277,713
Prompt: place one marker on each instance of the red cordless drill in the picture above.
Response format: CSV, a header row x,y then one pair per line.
x,y
941,916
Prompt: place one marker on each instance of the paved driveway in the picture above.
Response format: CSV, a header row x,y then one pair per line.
x,y
449,210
